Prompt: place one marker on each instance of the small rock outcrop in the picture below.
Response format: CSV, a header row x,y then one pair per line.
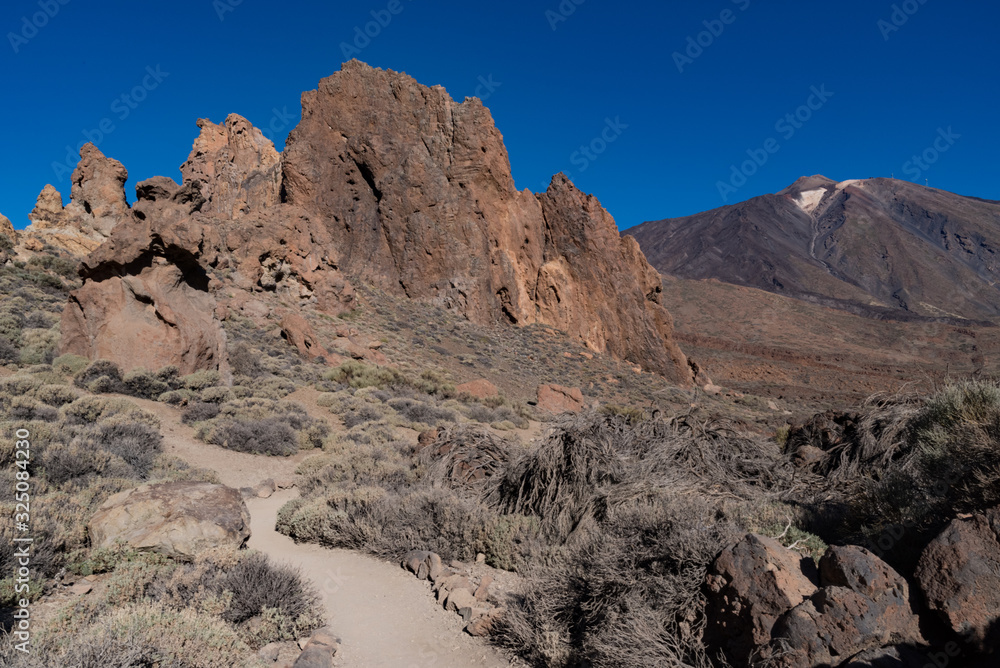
x,y
7,229
959,575
178,519
97,205
768,603
458,590
478,389
558,399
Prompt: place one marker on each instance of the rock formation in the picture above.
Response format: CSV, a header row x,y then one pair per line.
x,y
145,301
959,574
97,205
766,602
178,519
7,229
386,182
237,168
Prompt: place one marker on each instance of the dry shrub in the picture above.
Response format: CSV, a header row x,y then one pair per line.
x,y
387,523
593,463
625,593
464,457
264,426
270,436
947,462
422,413
199,412
143,634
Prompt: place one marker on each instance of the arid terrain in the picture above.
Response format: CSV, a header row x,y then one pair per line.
x,y
361,402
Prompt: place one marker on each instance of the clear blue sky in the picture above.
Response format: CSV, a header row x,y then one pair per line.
x,y
560,81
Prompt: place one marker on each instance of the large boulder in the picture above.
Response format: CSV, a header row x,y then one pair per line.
x,y
959,575
558,399
749,586
178,519
766,602
862,605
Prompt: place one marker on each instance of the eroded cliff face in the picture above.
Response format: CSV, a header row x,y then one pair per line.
x,y
384,181
417,193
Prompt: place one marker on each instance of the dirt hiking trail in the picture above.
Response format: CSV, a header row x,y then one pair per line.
x,y
383,616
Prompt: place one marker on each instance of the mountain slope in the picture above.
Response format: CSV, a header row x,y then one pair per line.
x,y
882,248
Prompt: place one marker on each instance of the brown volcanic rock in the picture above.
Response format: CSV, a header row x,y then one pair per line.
x,y
97,205
238,168
178,519
863,605
748,588
388,182
145,301
7,228
959,574
99,187
558,399
878,247
418,196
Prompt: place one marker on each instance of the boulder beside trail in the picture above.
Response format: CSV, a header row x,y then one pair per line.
x,y
178,519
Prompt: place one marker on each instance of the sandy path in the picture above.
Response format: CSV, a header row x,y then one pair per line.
x,y
384,617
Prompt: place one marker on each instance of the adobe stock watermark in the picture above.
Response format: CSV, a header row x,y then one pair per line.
x,y
280,120
30,26
920,163
487,86
363,35
588,153
901,14
223,7
562,13
121,108
697,44
787,126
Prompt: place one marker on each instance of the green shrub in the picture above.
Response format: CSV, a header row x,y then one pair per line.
x,y
199,380
177,397
101,376
70,365
38,346
90,410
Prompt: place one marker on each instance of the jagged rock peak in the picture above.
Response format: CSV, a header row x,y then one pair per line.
x,y
237,167
417,191
99,187
97,205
